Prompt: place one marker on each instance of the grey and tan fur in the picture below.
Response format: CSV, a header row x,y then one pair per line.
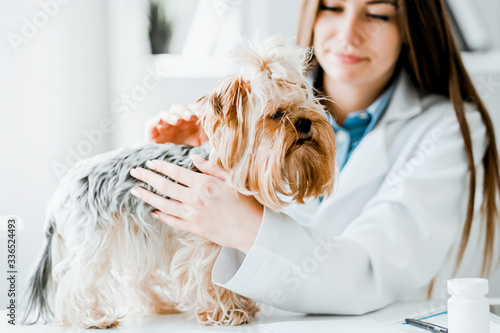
x,y
98,191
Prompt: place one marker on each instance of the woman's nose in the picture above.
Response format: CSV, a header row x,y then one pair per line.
x,y
350,30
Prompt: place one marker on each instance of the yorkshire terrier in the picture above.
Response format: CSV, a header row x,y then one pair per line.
x,y
106,257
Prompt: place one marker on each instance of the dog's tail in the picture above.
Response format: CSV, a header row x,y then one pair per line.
x,y
36,295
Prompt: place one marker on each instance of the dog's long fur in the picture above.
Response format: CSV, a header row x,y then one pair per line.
x,y
94,189
106,257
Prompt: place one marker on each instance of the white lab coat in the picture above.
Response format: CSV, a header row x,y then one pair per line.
x,y
396,213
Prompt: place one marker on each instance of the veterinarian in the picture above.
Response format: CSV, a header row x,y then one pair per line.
x,y
418,160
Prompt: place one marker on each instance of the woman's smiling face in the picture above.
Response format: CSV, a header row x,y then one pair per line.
x,y
357,41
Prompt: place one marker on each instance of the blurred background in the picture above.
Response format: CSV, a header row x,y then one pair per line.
x,y
81,77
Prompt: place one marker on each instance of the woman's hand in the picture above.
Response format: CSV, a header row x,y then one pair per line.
x,y
179,125
206,205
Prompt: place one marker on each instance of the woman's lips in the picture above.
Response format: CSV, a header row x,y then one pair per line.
x,y
348,59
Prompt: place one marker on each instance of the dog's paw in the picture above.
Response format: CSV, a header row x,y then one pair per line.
x,y
227,318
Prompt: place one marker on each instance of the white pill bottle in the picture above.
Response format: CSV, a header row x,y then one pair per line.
x,y
468,307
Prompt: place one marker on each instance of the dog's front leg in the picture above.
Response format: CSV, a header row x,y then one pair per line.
x,y
191,271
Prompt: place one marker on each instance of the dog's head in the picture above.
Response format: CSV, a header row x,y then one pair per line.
x,y
267,129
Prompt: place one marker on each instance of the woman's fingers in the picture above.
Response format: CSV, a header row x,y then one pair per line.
x,y
163,185
177,173
208,168
151,132
170,207
168,118
177,125
173,221
153,122
182,111
204,186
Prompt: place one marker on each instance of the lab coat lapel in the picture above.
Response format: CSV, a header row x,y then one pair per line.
x,y
370,158
366,163
406,101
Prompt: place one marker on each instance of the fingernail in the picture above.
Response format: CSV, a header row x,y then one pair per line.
x,y
197,158
174,119
154,215
135,192
134,173
187,115
151,164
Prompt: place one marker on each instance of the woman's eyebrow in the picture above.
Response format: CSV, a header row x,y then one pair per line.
x,y
376,2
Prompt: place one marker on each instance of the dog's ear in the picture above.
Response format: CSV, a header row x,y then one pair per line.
x,y
231,100
216,104
224,120
225,105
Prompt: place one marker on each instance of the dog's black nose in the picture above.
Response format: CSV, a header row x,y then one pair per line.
x,y
303,125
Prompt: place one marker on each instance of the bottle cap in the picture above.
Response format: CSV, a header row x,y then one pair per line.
x,y
470,287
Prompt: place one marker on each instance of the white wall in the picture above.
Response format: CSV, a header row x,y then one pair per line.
x,y
489,10
52,89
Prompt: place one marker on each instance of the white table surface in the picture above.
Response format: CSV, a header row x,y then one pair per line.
x,y
182,324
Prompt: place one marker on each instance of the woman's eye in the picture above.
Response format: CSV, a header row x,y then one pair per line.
x,y
380,17
331,9
278,114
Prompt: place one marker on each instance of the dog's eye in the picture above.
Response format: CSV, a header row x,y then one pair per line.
x,y
278,114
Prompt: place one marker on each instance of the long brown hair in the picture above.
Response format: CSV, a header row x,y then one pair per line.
x,y
431,56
